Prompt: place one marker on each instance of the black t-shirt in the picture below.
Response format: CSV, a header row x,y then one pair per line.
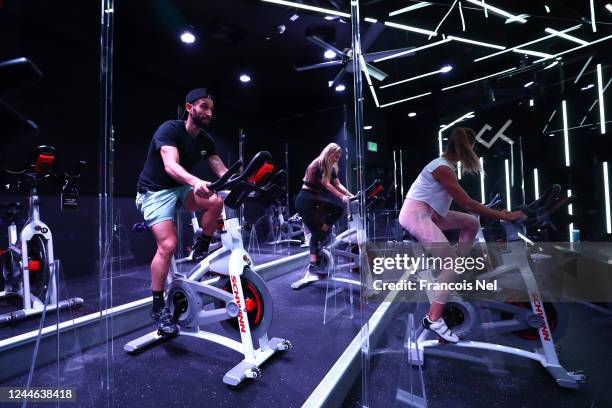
x,y
191,150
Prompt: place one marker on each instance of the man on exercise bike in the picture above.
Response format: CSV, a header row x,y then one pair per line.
x,y
166,184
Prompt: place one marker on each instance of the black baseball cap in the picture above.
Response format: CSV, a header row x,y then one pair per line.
x,y
196,94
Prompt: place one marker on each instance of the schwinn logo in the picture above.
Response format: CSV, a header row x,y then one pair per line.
x,y
41,229
540,311
237,300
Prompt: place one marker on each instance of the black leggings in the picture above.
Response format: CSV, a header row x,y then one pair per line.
x,y
316,210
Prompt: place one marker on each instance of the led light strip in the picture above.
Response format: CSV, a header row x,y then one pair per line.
x,y
466,116
570,211
409,8
307,7
582,70
551,65
574,49
444,18
410,28
602,115
498,11
508,200
566,36
530,52
482,183
404,100
399,54
593,26
607,197
565,135
536,184
478,79
484,44
411,79
527,43
462,19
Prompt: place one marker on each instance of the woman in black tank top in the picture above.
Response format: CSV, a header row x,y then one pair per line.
x,y
322,199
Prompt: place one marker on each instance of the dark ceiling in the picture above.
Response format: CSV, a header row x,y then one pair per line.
x,y
235,36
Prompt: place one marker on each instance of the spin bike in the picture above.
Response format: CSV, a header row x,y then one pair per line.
x,y
241,301
532,323
344,246
28,265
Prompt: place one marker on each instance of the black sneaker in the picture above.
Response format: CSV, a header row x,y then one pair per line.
x,y
317,269
199,249
165,325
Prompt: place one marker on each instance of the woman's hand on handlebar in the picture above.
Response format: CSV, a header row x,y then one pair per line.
x,y
513,216
200,188
346,199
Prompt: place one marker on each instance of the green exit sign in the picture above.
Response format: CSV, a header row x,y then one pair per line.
x,y
373,146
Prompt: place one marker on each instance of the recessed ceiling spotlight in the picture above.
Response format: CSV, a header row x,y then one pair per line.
x,y
329,54
446,68
547,8
245,78
187,37
531,102
412,114
340,88
609,7
294,17
367,127
528,84
329,18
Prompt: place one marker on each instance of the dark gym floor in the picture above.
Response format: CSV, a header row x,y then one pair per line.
x,y
187,372
508,381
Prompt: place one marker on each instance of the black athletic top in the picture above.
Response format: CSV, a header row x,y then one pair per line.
x,y
314,176
191,150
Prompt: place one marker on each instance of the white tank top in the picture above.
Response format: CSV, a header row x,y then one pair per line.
x,y
428,190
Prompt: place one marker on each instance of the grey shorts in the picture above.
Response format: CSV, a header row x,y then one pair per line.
x,y
158,206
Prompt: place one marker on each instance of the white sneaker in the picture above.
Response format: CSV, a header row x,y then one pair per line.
x,y
441,329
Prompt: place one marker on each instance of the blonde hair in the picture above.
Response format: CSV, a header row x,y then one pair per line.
x,y
324,160
459,148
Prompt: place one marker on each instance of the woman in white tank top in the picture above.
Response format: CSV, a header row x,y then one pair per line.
x,y
425,214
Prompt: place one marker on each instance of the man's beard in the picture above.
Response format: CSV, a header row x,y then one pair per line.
x,y
199,121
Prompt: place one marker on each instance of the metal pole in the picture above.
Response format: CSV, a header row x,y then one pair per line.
x,y
522,168
395,179
401,155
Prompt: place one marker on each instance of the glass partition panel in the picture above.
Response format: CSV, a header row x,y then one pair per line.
x,y
274,244
49,286
486,124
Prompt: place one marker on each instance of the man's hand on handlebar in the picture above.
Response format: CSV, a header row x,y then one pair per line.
x,y
513,216
200,188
